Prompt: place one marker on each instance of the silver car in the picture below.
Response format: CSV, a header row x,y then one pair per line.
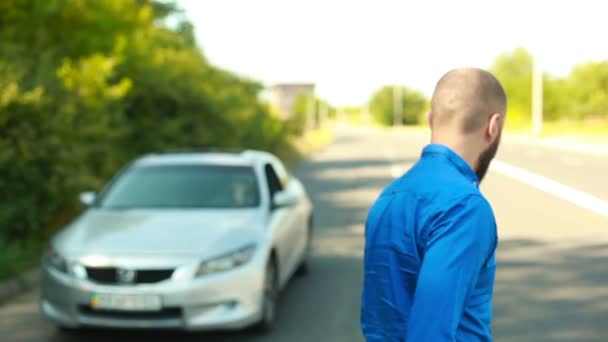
x,y
190,241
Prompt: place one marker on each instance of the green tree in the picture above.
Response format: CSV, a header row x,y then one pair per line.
x,y
557,99
413,105
583,94
296,124
86,85
514,71
51,143
588,89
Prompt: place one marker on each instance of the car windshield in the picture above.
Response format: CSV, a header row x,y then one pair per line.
x,y
183,186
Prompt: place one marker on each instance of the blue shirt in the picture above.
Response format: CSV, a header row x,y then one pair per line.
x,y
430,242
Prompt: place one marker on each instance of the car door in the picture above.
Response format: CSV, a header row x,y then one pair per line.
x,y
300,212
282,224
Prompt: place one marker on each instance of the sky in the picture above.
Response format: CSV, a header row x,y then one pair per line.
x,y
349,48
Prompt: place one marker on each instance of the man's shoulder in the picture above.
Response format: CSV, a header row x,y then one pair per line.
x,y
438,193
437,186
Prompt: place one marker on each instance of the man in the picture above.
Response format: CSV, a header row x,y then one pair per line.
x,y
431,235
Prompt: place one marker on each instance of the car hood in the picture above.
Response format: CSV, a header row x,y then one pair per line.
x,y
150,233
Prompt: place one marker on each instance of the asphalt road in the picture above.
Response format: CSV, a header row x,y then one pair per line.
x,y
552,283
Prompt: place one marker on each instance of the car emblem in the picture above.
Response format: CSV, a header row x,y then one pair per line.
x,y
125,276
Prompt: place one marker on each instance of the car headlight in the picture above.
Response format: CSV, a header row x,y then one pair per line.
x,y
226,262
55,260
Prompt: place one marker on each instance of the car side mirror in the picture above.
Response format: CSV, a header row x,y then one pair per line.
x,y
87,198
284,199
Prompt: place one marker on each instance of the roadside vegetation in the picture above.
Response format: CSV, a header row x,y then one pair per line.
x,y
575,105
87,85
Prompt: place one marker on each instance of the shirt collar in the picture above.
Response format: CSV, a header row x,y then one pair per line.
x,y
454,159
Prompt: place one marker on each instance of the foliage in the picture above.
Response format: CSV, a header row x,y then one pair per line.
x,y
514,71
588,88
297,123
300,109
581,95
413,105
86,85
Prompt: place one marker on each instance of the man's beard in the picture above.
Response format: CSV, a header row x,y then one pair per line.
x,y
486,158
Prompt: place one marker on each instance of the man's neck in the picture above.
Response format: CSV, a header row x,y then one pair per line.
x,y
461,147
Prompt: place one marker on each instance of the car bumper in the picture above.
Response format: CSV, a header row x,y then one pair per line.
x,y
224,301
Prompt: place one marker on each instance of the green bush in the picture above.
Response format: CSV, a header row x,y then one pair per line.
x,y
298,121
87,85
413,105
581,95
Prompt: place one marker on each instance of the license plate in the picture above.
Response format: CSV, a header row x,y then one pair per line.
x,y
106,301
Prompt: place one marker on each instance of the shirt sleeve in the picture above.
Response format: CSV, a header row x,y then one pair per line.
x,y
460,240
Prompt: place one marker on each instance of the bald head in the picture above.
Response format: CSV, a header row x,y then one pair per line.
x,y
464,99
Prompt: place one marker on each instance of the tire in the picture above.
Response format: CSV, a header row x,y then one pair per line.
x,y
69,331
269,299
304,268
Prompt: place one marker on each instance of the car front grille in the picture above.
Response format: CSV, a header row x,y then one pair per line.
x,y
164,314
111,275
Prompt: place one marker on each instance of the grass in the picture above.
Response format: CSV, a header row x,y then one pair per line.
x,y
314,140
592,131
307,144
584,131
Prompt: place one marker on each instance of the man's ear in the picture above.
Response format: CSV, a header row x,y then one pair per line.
x,y
494,127
429,118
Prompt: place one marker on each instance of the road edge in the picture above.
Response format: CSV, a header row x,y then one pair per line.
x,y
18,284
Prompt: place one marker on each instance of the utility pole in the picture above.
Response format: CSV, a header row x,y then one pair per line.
x,y
537,97
397,106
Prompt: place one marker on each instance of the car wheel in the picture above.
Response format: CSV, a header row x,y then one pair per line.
x,y
69,331
269,300
304,267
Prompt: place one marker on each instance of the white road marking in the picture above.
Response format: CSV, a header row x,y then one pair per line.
x,y
564,192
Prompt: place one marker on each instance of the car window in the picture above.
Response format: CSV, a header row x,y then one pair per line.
x,y
184,186
281,172
274,183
